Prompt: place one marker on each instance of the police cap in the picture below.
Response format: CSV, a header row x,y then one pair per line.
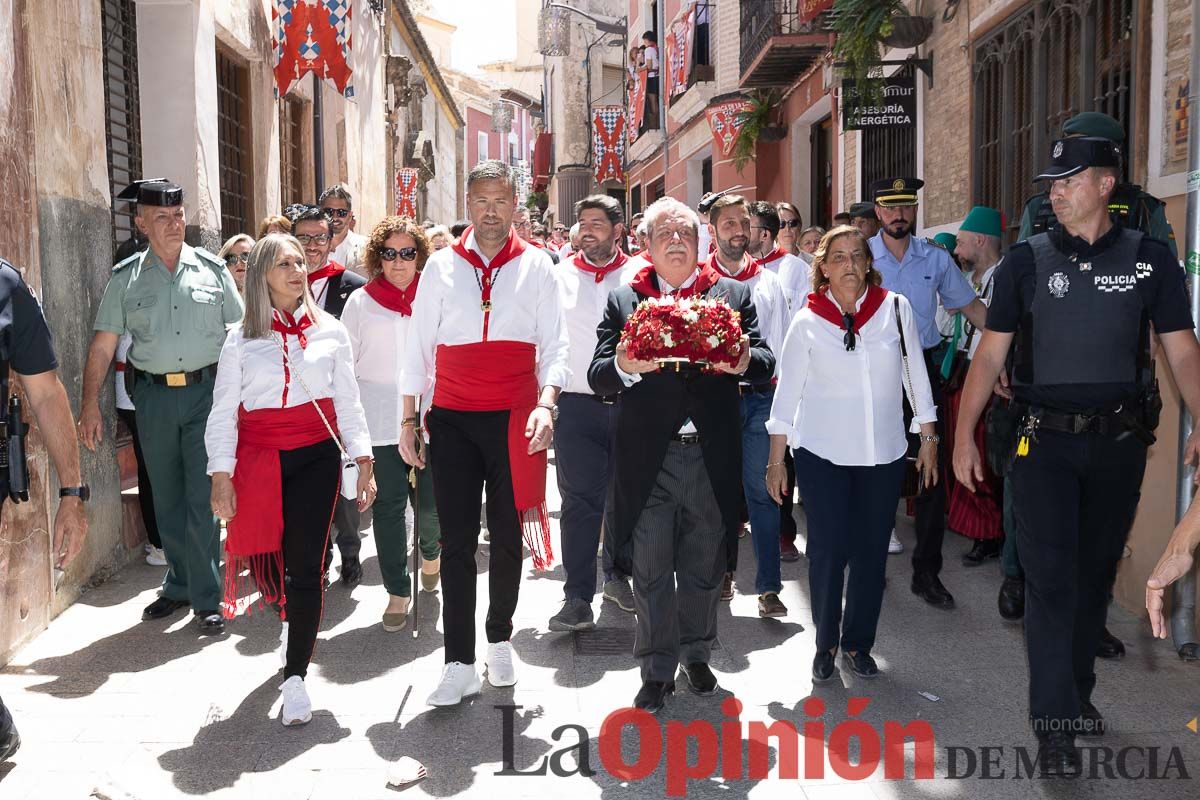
x,y
863,211
153,192
893,192
1073,155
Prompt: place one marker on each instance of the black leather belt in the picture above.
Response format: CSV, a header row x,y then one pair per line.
x,y
177,380
1106,423
606,399
753,388
686,438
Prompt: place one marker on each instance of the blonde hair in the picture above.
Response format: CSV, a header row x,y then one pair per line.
x,y
267,251
274,219
818,277
236,239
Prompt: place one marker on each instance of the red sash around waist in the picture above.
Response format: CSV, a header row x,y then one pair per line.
x,y
498,376
255,534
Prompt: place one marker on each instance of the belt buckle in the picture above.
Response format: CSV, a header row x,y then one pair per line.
x,y
1083,423
176,379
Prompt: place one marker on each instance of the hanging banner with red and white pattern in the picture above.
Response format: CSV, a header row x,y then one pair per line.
x,y
725,120
608,143
637,103
406,192
681,35
312,36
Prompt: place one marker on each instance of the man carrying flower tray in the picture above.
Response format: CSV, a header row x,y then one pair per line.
x,y
674,344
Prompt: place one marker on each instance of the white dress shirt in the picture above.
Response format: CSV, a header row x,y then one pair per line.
x,y
845,406
250,373
795,278
946,320
583,304
448,310
377,337
350,253
771,305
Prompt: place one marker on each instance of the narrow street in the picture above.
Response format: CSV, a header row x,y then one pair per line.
x,y
148,710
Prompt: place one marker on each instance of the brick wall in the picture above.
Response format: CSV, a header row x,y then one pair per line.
x,y
1178,67
946,115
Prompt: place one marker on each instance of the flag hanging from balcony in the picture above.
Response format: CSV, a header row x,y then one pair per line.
x,y
312,36
406,192
637,102
725,120
608,143
681,35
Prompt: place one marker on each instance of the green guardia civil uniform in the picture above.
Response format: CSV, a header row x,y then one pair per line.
x,y
178,321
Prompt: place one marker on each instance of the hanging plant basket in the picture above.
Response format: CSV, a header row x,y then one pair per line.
x,y
861,26
908,32
758,123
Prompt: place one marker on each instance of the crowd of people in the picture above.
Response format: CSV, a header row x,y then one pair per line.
x,y
313,382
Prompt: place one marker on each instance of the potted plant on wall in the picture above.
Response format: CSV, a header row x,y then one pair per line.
x,y
758,124
862,25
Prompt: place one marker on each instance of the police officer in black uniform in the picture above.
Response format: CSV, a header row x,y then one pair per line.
x,y
26,346
1079,302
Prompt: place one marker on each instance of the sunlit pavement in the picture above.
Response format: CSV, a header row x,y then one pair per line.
x,y
110,706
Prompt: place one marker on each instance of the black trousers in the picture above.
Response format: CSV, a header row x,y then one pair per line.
x,y
310,486
787,522
145,492
1074,498
470,453
930,505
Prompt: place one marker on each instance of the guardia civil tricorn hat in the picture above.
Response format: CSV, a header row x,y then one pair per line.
x,y
153,192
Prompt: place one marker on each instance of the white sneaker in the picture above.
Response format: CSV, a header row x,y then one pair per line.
x,y
155,556
894,544
459,680
500,670
297,710
283,645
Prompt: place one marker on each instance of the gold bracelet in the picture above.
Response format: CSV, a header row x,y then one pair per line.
x,y
410,422
776,464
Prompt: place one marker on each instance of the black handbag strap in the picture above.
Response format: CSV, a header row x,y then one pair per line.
x,y
908,387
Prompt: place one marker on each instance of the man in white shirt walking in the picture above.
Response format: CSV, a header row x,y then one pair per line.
x,y
585,435
337,204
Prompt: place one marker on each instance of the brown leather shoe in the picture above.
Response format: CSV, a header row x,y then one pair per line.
x,y
769,605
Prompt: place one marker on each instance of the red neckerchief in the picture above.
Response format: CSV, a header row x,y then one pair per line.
x,y
330,269
644,284
513,248
774,255
283,322
749,269
382,291
600,273
824,307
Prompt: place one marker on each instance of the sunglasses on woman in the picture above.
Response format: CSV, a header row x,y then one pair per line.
x,y
789,223
233,258
404,254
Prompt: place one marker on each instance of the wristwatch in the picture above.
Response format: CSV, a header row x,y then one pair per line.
x,y
933,437
553,409
83,492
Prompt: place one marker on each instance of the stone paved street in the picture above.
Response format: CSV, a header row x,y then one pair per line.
x,y
128,709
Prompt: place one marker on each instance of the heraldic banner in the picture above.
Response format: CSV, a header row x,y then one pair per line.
x,y
725,120
637,103
608,143
406,192
681,35
312,36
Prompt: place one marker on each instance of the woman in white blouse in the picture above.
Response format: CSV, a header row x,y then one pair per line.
x,y
839,405
285,386
377,320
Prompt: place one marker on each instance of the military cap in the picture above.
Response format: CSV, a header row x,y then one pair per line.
x,y
153,192
1094,123
894,192
1073,155
863,211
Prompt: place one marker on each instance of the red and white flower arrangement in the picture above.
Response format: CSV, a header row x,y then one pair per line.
x,y
701,330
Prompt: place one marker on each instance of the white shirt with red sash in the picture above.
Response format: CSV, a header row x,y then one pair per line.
x,y
584,288
769,300
795,278
449,310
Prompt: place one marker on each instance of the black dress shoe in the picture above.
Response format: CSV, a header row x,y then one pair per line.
x,y
982,551
1110,646
929,588
1091,721
351,572
700,679
211,623
861,664
653,695
823,666
1057,756
1012,598
163,607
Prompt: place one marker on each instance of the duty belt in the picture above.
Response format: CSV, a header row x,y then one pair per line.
x,y
1106,423
177,380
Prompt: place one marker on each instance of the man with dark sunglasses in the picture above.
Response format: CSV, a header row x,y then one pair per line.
x,y
331,284
347,246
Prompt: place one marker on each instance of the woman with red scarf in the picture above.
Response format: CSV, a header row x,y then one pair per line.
x,y
284,390
377,319
842,377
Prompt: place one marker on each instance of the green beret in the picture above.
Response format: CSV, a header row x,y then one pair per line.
x,y
982,219
947,240
1094,123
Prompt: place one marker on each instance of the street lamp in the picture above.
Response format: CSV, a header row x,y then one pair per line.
x,y
554,30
